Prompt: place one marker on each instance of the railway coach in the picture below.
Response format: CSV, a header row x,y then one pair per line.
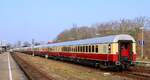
x,y
114,51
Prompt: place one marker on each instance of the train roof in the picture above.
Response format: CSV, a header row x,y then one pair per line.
x,y
99,40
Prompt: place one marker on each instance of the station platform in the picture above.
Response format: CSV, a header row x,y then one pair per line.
x,y
9,70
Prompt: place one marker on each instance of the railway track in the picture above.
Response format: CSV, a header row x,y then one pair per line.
x,y
141,69
136,73
30,70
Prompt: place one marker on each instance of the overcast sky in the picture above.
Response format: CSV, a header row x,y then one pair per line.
x,y
43,20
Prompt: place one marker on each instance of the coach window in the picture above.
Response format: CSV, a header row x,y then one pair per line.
x,y
67,49
70,48
83,48
86,48
74,49
50,49
45,49
64,49
93,48
55,49
96,50
89,48
78,48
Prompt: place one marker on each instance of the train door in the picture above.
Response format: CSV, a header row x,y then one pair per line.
x,y
125,51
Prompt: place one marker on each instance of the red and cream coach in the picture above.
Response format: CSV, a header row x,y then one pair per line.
x,y
114,51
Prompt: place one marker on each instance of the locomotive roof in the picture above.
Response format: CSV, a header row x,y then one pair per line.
x,y
99,40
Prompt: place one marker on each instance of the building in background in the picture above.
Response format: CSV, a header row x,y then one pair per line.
x,y
3,46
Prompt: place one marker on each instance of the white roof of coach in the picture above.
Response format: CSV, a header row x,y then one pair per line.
x,y
123,37
99,40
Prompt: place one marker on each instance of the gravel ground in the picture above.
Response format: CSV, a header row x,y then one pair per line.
x,y
66,71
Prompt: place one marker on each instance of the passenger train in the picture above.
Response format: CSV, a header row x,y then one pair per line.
x,y
114,51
